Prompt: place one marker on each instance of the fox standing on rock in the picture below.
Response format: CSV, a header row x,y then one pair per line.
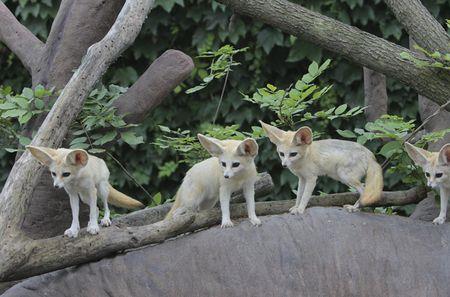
x,y
341,160
83,177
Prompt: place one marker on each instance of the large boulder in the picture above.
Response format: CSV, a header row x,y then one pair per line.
x,y
325,252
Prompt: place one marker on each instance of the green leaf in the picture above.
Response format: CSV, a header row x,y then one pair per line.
x,y
14,113
109,136
271,87
346,133
23,140
390,148
131,138
38,103
28,93
195,89
341,109
96,150
22,102
78,140
7,105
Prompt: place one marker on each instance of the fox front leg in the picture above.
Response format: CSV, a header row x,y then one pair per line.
x,y
225,195
249,194
444,202
91,197
72,232
300,190
310,184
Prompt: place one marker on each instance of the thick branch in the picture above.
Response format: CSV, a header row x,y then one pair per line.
x,y
155,84
355,45
59,252
420,24
19,39
25,173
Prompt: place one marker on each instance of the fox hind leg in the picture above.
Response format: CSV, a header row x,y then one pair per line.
x,y
350,180
103,192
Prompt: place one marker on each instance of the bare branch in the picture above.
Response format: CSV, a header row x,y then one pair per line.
x,y
355,45
44,255
19,39
420,24
154,85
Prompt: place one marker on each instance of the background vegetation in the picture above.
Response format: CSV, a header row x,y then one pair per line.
x,y
195,26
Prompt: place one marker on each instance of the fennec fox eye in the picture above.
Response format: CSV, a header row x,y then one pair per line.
x,y
53,173
439,175
427,174
224,164
66,174
235,164
293,154
282,154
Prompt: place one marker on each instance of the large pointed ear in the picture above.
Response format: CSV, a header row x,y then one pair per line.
x,y
248,147
418,155
444,154
275,135
44,155
77,157
212,145
303,135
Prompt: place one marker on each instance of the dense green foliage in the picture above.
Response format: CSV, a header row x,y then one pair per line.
x,y
196,26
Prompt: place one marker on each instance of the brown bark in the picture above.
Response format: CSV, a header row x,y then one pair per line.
x,y
353,44
375,94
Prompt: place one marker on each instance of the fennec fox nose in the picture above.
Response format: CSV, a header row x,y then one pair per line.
x,y
226,176
56,186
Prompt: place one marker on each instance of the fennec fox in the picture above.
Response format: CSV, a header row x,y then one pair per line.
x,y
83,177
341,160
230,169
437,171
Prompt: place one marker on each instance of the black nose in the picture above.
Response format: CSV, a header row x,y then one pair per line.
x,y
284,165
56,186
226,176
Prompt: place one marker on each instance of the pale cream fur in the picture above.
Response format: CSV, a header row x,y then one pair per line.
x,y
345,161
83,176
209,181
436,166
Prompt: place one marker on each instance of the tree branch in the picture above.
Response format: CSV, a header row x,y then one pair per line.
x,y
155,84
355,45
27,47
420,24
47,255
25,173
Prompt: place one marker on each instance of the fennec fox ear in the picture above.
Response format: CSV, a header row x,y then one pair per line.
x,y
418,155
275,135
303,135
444,154
44,155
212,145
248,147
77,157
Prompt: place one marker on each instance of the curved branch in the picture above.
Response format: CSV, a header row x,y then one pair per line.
x,y
353,44
154,85
27,47
420,24
40,254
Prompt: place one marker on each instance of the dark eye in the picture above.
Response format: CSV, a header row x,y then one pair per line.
x,y
282,154
66,174
53,173
235,164
293,154
224,164
439,175
427,174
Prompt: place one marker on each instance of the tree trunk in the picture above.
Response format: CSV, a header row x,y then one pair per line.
x,y
375,94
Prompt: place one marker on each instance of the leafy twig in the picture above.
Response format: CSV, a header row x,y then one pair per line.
x,y
223,90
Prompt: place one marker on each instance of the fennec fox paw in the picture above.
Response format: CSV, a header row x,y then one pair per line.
x,y
105,222
255,221
351,208
226,224
296,210
439,220
93,228
71,232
